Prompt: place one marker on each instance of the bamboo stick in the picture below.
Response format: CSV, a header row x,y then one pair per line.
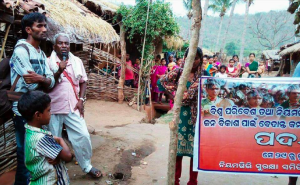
x,y
4,41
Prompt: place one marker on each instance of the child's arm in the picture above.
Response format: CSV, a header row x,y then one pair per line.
x,y
65,153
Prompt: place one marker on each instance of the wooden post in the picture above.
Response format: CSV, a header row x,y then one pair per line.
x,y
114,61
197,12
292,68
142,60
4,41
123,64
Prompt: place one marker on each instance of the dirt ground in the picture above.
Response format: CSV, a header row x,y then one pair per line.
x,y
121,144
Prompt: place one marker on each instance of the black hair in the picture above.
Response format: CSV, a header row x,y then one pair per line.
x,y
178,59
162,60
205,56
212,82
214,56
199,52
231,60
242,86
31,102
158,56
29,19
252,54
235,56
223,66
209,57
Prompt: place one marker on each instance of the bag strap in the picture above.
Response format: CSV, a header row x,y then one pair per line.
x,y
71,81
13,87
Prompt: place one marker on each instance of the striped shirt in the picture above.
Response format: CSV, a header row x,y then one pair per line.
x,y
40,145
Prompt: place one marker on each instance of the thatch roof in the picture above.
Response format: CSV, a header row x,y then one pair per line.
x,y
271,54
82,25
101,7
292,49
207,52
67,16
174,42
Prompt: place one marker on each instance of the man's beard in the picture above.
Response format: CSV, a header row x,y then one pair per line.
x,y
39,38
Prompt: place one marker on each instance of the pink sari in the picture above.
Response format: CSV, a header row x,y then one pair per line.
x,y
153,78
161,70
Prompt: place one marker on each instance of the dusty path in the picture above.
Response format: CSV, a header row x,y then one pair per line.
x,y
119,134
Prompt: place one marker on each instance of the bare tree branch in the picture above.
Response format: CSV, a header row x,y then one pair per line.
x,y
270,30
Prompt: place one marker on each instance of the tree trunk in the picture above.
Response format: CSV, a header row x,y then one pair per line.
x,y
244,32
228,26
197,13
123,66
202,31
218,39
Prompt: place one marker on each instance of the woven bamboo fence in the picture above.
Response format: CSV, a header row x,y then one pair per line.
x,y
105,87
8,147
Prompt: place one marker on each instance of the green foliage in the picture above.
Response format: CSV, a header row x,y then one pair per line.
x,y
160,23
294,9
231,48
220,6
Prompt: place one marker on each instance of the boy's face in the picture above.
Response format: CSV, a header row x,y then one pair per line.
x,y
211,60
44,117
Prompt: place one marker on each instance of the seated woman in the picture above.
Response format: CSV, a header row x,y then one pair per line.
x,y
252,67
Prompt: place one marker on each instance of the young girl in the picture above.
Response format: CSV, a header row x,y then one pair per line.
x,y
136,75
222,73
231,70
161,71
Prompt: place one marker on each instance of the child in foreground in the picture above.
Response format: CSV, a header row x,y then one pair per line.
x,y
44,154
222,73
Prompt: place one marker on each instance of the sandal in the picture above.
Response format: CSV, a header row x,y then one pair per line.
x,y
94,173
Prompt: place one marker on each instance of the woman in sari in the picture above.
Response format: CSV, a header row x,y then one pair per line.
x,y
252,66
153,78
188,114
161,71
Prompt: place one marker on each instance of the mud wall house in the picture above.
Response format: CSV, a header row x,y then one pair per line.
x,y
290,57
273,56
85,29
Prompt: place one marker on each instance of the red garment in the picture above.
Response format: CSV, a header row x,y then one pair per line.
x,y
234,71
178,169
129,75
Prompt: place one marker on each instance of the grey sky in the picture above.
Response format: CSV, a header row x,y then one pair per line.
x,y
258,6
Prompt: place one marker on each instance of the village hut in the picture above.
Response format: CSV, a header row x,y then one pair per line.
x,y
290,57
274,57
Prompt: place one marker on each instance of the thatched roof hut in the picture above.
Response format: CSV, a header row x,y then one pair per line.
x,y
290,49
67,16
290,54
271,54
100,7
81,24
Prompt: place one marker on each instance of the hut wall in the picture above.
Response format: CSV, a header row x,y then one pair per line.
x,y
8,147
105,87
295,60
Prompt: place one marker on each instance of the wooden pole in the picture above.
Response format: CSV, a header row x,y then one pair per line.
x,y
4,41
197,12
142,60
123,64
114,61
